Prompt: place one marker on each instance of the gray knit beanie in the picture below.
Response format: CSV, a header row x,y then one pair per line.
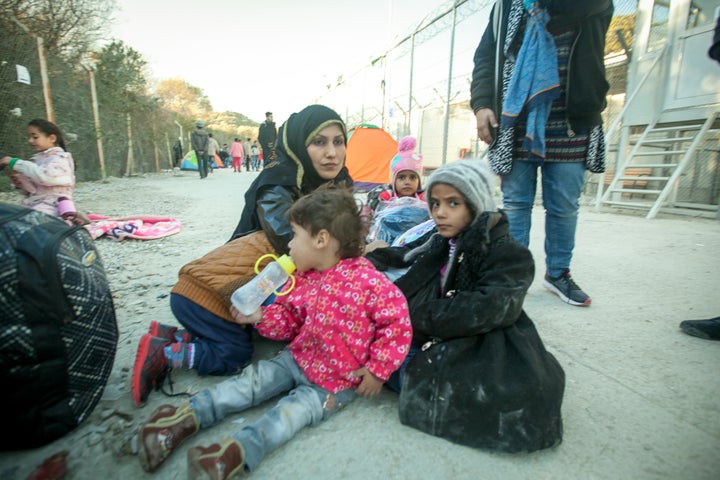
x,y
472,178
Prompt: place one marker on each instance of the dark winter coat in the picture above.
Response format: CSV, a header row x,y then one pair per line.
x,y
482,377
586,83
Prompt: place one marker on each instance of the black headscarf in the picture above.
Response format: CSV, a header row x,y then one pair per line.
x,y
293,166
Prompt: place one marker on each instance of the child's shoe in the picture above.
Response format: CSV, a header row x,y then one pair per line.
x,y
164,432
219,461
169,332
150,368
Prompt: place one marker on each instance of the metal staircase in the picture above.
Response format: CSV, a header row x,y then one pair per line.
x,y
650,172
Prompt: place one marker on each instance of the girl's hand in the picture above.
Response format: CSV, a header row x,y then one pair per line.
x,y
5,161
254,317
370,384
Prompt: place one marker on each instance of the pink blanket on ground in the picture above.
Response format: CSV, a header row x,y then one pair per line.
x,y
139,227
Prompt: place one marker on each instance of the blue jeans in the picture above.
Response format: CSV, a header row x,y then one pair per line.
x,y
561,188
306,404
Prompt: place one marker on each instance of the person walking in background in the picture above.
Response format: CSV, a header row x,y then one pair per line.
x,y
199,141
255,156
550,51
213,149
267,136
237,153
224,155
247,146
177,152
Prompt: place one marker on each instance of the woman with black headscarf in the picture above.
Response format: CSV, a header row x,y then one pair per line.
x,y
310,153
292,174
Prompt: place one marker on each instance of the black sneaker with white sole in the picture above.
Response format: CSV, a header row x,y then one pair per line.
x,y
566,288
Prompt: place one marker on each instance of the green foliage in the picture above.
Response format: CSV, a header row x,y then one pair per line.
x,y
121,73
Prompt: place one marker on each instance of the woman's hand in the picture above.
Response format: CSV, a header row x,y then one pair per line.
x,y
485,119
254,317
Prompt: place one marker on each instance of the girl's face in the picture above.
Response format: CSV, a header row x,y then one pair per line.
x,y
40,141
449,209
302,249
407,183
327,151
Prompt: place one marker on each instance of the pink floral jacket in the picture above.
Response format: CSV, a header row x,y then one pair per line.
x,y
339,320
45,177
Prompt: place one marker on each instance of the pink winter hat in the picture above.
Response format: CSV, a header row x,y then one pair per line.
x,y
406,159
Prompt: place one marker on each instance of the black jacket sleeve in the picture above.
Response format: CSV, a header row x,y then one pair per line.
x,y
483,83
272,203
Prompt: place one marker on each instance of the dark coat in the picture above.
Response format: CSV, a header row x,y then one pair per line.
x,y
586,83
482,377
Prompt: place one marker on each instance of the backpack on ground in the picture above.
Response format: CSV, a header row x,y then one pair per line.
x,y
58,332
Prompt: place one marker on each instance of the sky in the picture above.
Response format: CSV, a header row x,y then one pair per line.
x,y
251,56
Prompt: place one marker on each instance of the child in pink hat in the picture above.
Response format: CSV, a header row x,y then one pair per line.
x,y
406,171
401,204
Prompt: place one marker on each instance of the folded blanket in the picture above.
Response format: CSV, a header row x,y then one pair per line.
x,y
139,227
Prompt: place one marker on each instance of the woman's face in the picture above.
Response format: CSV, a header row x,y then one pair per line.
x,y
327,151
40,141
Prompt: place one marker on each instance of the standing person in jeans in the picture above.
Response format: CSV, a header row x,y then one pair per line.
x,y
199,139
267,136
550,52
246,147
254,156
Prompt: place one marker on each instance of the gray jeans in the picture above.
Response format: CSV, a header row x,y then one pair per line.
x,y
305,404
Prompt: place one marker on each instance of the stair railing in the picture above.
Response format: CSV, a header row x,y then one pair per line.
x,y
614,125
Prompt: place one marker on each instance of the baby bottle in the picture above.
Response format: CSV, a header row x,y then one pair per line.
x,y
248,298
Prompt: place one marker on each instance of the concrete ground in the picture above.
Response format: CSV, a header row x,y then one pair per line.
x,y
642,399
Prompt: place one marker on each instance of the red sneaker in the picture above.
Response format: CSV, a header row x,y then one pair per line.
x,y
168,332
150,368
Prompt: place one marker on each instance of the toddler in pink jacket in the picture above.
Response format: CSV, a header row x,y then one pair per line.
x,y
348,328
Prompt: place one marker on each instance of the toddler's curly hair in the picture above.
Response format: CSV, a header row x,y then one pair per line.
x,y
336,210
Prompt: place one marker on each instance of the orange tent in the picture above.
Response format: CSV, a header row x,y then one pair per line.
x,y
369,151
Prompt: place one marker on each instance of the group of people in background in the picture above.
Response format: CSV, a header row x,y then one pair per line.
x,y
240,154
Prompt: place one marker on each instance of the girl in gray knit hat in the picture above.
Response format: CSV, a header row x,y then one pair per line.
x,y
478,373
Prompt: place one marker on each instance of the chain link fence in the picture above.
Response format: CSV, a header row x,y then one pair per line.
x,y
117,144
